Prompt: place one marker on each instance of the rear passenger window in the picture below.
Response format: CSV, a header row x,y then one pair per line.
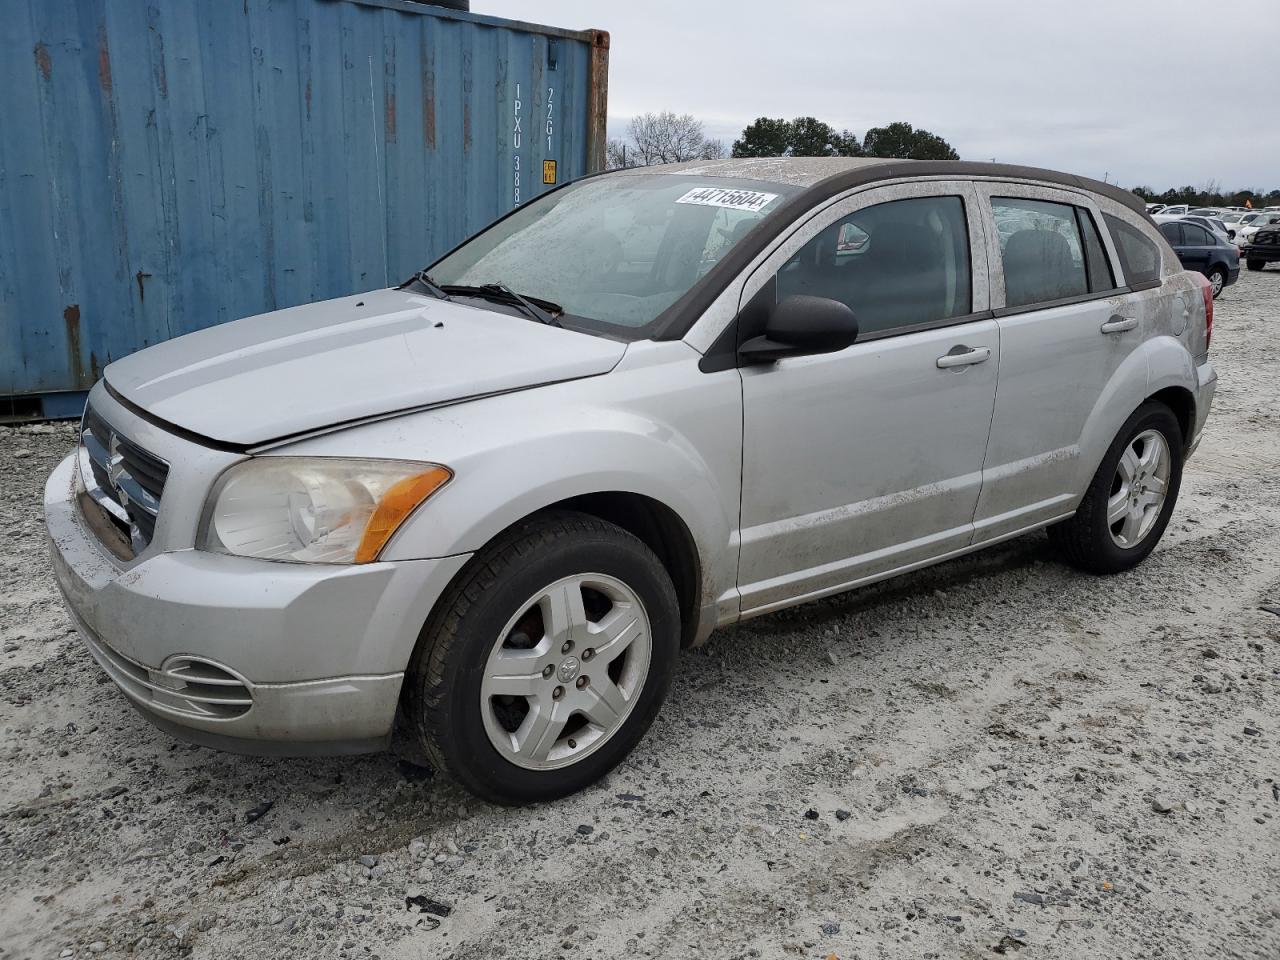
x,y
1172,232
1041,251
896,264
1139,257
1095,255
1196,236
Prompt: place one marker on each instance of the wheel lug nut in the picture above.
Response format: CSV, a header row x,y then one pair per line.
x,y
583,681
572,743
587,654
566,646
557,693
547,671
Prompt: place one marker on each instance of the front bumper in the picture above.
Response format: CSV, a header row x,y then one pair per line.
x,y
1269,252
245,655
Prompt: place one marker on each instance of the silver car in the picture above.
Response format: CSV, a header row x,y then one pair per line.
x,y
485,510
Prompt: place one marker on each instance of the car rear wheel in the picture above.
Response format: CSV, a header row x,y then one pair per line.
x,y
1217,281
546,662
1127,506
1256,264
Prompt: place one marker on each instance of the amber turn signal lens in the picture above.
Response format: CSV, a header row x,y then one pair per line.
x,y
400,500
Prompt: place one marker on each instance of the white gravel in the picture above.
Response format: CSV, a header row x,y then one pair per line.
x,y
1000,754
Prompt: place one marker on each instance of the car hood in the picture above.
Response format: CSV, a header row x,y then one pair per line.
x,y
322,364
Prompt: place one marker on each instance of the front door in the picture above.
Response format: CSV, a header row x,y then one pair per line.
x,y
863,462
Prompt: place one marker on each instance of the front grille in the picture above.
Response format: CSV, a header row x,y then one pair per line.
x,y
184,686
124,480
1266,237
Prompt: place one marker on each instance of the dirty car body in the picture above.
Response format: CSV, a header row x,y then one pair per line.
x,y
762,382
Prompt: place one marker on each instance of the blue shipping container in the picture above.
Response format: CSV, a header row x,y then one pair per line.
x,y
168,166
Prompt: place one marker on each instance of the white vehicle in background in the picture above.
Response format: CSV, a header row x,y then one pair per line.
x,y
1238,220
1154,208
1264,219
1174,212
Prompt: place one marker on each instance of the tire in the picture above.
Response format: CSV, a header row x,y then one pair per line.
x,y
1218,280
492,612
1087,540
1256,264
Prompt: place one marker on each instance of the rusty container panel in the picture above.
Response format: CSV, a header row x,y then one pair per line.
x,y
168,166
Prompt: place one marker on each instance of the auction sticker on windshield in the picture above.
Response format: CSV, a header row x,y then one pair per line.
x,y
733,199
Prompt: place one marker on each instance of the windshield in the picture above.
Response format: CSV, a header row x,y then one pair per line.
x,y
614,251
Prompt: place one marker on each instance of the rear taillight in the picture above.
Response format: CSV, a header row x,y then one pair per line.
x,y
1206,291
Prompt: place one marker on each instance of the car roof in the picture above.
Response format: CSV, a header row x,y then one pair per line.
x,y
830,175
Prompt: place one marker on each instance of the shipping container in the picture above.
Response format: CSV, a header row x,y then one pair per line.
x,y
168,166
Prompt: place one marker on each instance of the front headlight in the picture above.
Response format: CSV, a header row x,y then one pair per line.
x,y
314,509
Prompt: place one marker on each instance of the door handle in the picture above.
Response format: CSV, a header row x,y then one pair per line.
x,y
961,356
1119,324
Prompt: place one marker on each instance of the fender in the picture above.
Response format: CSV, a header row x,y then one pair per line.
x,y
624,432
1169,364
1159,363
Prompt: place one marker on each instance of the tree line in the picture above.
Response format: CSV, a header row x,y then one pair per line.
x,y
1210,194
667,137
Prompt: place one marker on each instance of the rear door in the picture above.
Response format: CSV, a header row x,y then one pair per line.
x,y
868,460
1064,332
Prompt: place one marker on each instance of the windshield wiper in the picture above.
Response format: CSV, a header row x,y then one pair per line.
x,y
539,310
423,279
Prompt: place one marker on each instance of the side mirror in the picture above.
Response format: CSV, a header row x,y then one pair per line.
x,y
799,326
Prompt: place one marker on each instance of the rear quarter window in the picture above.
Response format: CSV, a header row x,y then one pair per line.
x,y
1139,256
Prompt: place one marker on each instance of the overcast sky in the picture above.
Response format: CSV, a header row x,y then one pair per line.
x,y
1148,92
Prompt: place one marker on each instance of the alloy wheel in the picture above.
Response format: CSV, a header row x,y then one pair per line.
x,y
1139,488
566,671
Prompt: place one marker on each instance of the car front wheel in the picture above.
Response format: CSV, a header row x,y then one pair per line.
x,y
1256,264
1127,506
546,662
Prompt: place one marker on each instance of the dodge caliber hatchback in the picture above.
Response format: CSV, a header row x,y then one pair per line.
x,y
486,509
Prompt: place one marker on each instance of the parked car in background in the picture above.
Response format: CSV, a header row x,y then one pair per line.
x,y
1233,220
1209,223
493,503
1264,219
1154,207
1205,252
1205,212
1171,213
1263,247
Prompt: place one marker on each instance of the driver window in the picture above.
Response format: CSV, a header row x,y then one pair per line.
x,y
895,264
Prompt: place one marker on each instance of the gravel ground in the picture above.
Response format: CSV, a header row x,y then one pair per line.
x,y
995,756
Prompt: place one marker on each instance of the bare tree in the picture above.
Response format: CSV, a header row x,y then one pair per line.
x,y
616,156
713,150
662,138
